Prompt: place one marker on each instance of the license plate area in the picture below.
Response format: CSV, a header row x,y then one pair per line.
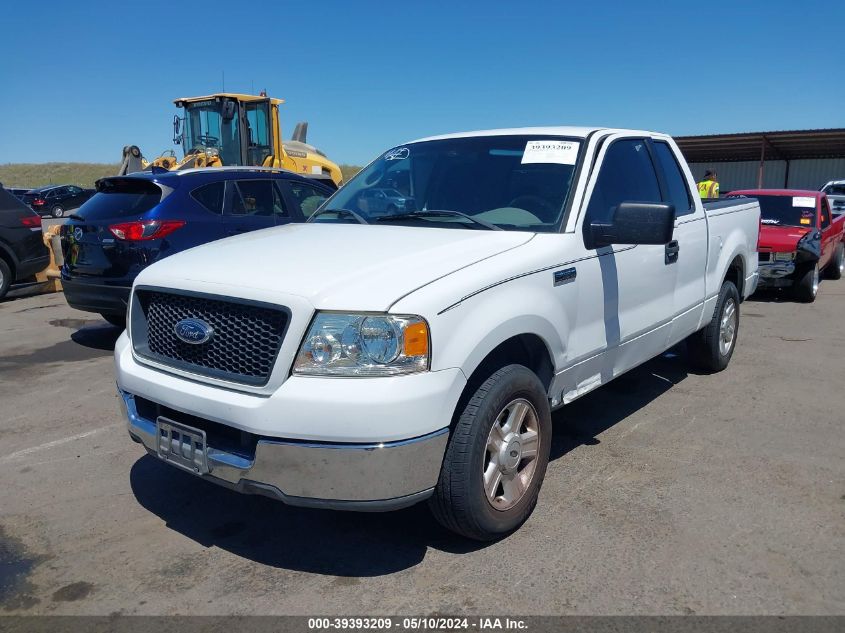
x,y
182,445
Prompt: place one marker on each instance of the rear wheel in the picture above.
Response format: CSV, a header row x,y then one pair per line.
x,y
496,458
117,320
58,211
806,287
836,267
711,349
5,278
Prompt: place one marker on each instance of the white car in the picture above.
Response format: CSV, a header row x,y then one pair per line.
x,y
369,363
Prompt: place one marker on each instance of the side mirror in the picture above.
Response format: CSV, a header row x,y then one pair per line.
x,y
228,110
636,223
177,126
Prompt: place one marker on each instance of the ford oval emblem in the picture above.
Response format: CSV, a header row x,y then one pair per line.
x,y
193,331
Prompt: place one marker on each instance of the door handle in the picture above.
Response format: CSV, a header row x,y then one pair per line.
x,y
672,249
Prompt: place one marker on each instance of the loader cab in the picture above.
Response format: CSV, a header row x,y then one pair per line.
x,y
238,130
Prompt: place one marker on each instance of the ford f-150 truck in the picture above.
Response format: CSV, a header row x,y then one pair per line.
x,y
369,361
800,239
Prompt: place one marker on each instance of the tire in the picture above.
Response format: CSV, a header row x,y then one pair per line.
x,y
460,502
836,267
711,348
806,286
5,278
117,320
58,211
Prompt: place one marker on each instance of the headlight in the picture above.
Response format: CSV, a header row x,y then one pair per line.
x,y
784,257
364,345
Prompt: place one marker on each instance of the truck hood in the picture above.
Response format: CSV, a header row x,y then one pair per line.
x,y
780,239
334,266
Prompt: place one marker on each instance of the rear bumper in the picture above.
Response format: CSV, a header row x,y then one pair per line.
x,y
96,297
363,477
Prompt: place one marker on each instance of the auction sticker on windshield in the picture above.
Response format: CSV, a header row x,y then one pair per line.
x,y
801,201
561,152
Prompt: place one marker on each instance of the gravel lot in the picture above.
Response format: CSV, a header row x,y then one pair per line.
x,y
669,492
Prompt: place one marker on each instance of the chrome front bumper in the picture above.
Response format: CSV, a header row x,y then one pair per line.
x,y
363,477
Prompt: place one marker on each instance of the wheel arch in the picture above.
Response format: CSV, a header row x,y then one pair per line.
x,y
8,256
736,274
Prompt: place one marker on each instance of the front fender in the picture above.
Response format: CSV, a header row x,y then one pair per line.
x,y
465,334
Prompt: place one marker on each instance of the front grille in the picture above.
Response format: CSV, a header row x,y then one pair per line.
x,y
245,342
764,257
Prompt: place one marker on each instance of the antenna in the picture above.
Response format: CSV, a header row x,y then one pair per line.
x,y
223,80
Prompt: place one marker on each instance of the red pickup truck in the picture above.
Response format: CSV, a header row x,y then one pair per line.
x,y
799,239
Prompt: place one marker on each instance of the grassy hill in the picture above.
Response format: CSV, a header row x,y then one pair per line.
x,y
83,174
348,171
39,174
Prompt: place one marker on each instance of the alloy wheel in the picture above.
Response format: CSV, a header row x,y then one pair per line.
x,y
511,459
727,327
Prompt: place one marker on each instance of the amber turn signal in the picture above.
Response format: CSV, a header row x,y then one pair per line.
x,y
416,339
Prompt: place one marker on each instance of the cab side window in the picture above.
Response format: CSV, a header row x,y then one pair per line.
x,y
825,212
627,175
678,193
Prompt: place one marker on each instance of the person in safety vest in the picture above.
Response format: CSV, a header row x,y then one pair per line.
x,y
708,187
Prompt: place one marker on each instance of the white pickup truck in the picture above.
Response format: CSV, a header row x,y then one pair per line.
x,y
376,357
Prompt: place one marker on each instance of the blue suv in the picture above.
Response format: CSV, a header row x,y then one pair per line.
x,y
135,220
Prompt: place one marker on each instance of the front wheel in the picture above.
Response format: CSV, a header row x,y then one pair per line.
x,y
58,211
496,458
711,348
836,267
806,287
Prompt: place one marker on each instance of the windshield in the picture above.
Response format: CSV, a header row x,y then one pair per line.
x,y
787,210
835,190
206,127
518,183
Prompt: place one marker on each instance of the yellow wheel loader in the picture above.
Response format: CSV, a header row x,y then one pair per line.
x,y
235,129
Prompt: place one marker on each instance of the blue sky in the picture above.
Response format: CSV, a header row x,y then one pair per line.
x,y
80,80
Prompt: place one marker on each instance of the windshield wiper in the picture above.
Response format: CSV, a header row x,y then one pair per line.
x,y
340,212
442,213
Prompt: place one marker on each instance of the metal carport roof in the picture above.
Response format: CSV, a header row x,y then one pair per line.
x,y
776,145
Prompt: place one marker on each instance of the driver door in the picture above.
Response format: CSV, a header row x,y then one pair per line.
x,y
629,312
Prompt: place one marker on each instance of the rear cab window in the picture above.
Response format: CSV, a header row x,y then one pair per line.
x,y
678,192
121,198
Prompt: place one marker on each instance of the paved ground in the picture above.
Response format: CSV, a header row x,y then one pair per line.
x,y
668,492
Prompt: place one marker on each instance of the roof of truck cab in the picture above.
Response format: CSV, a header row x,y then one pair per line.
x,y
802,193
228,95
578,132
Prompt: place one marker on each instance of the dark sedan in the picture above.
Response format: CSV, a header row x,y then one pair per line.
x,y
56,200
